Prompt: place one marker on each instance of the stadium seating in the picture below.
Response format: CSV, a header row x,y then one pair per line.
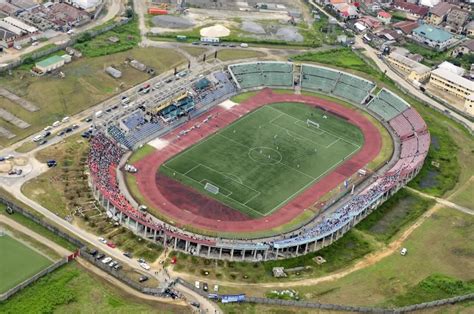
x,y
387,105
415,120
134,119
402,126
335,82
257,74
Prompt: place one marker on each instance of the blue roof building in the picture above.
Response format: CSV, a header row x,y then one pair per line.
x,y
433,36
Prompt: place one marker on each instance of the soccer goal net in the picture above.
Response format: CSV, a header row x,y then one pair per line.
x,y
312,123
211,188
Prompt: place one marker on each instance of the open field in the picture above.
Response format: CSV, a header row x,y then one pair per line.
x,y
194,51
236,54
266,158
18,262
72,289
85,84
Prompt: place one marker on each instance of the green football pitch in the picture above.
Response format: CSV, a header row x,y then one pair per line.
x,y
264,159
18,262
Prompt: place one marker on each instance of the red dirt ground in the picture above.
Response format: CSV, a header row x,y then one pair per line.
x,y
185,206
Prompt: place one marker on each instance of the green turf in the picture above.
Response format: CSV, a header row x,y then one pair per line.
x,y
18,262
266,158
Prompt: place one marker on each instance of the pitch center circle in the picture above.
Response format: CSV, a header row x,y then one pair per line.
x,y
265,155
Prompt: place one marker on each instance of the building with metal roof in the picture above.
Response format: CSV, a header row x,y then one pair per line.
x,y
433,37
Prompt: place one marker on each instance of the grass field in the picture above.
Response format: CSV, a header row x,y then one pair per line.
x,y
85,84
263,160
72,289
18,262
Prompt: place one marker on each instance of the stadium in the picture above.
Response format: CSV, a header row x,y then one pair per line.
x,y
284,172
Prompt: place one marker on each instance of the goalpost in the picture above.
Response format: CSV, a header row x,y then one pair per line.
x,y
312,123
211,188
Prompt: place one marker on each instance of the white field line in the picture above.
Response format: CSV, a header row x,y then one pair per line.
x,y
332,134
253,210
207,180
304,187
279,162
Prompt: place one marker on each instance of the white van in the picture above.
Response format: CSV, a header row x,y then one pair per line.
x,y
56,123
65,119
244,45
197,284
48,128
99,113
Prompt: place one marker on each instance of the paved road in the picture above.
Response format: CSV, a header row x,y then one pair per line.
x,y
371,52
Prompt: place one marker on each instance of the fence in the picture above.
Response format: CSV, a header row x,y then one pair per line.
x,y
340,307
13,207
56,48
119,275
32,279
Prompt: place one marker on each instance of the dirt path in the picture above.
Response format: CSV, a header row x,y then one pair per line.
x,y
367,261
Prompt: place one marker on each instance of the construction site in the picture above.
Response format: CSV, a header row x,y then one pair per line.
x,y
278,20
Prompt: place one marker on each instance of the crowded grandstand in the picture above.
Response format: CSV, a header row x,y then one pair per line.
x,y
152,120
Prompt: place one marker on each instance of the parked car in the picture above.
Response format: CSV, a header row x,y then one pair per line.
x,y
216,288
46,134
145,266
93,252
141,260
100,256
113,263
102,240
195,304
128,254
403,252
68,130
197,284
43,142
89,119
106,260
111,244
61,133
205,287
75,126
143,279
117,267
51,163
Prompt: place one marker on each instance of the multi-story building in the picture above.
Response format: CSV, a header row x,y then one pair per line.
x,y
433,37
449,82
413,70
457,19
438,13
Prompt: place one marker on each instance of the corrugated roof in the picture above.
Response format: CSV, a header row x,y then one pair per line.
x,y
432,33
50,61
441,9
415,66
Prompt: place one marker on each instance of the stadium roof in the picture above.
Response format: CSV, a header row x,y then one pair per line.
x,y
432,33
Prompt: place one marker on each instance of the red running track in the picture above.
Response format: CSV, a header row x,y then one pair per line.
x,y
185,206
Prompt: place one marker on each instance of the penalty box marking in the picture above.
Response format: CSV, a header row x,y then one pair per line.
x,y
198,182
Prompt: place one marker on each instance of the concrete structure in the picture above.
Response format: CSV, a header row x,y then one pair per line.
x,y
298,242
384,17
438,13
470,29
413,70
445,65
456,85
87,5
113,72
456,20
50,64
433,37
464,48
429,3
